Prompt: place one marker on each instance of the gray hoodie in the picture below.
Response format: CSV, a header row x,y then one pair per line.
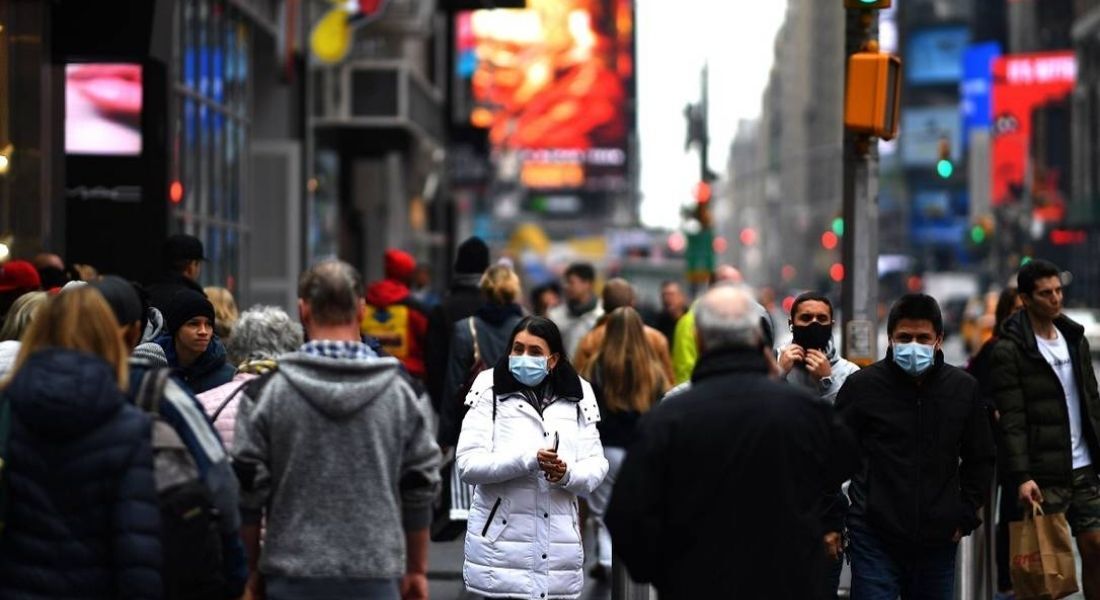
x,y
339,455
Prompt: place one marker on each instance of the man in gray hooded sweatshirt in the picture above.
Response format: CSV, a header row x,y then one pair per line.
x,y
333,448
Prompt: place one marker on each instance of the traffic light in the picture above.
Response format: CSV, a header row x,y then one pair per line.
x,y
703,192
869,4
873,98
944,167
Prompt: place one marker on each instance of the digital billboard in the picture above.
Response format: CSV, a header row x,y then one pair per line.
x,y
935,56
1024,86
552,84
103,108
923,128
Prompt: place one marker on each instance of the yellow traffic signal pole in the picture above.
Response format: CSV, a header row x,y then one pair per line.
x,y
860,241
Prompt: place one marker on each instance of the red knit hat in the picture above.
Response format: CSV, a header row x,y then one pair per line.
x,y
19,275
399,265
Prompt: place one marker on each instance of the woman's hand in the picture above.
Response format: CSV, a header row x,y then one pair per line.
x,y
551,465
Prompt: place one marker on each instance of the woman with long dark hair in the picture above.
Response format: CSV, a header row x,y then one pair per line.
x,y
629,380
530,444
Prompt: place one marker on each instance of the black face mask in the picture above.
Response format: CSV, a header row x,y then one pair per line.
x,y
814,336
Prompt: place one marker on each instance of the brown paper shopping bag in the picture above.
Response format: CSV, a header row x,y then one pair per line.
x,y
1041,549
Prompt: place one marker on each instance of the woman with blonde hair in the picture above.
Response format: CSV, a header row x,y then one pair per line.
x,y
477,343
15,324
225,311
78,469
629,380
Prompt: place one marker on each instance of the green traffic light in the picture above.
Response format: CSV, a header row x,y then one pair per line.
x,y
977,234
945,168
838,226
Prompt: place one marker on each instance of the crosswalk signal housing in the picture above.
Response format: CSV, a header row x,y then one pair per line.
x,y
869,4
873,100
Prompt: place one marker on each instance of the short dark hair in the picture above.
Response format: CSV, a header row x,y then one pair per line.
x,y
540,327
915,307
584,271
332,290
811,297
1032,272
669,282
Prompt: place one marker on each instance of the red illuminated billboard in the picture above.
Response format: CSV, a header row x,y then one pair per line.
x,y
551,83
1025,87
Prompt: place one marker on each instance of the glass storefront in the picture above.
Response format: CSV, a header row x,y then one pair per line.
x,y
212,84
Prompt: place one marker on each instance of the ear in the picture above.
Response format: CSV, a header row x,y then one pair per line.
x,y
553,361
360,311
304,313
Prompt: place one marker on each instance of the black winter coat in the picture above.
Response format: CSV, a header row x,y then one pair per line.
x,y
1034,417
83,519
462,301
911,487
718,497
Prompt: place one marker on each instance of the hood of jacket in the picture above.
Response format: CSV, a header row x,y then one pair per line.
x,y
154,326
339,388
386,292
1019,331
209,361
62,394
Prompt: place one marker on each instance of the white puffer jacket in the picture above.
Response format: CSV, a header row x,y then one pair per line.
x,y
523,535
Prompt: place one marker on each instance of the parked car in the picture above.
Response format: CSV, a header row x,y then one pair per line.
x,y
1089,319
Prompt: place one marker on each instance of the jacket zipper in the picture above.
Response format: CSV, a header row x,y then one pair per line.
x,y
489,521
920,434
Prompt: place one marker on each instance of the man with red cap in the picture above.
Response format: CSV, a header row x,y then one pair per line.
x,y
394,317
17,277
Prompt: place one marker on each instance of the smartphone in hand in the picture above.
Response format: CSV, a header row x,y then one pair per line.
x,y
557,438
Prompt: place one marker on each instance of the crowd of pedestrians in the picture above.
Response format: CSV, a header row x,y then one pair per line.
x,y
158,442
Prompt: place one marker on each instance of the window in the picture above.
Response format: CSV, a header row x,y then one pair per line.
x,y
212,92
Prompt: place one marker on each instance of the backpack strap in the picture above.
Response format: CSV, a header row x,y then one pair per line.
x,y
254,386
473,335
151,390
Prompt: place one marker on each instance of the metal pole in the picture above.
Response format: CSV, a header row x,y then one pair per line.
x,y
860,242
704,114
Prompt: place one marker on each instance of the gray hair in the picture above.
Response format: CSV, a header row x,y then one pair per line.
x,y
21,314
332,289
263,333
726,318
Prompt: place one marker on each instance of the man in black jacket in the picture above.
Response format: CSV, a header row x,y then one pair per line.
x,y
1045,389
182,256
927,460
718,496
462,301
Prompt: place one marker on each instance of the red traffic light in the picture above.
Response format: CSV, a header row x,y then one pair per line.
x,y
836,272
703,192
829,240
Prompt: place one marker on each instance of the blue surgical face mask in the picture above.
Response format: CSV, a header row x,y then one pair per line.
x,y
528,370
914,358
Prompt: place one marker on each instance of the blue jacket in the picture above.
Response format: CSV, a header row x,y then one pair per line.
x,y
184,414
83,520
207,372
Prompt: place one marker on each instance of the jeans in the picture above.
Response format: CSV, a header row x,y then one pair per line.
x,y
883,572
600,498
308,588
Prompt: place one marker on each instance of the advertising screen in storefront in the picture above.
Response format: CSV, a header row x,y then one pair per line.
x,y
103,104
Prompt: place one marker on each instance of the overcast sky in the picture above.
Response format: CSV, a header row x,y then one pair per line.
x,y
674,40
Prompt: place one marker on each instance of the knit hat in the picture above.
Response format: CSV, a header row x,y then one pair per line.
x,y
181,247
185,305
151,354
399,265
123,298
19,275
472,256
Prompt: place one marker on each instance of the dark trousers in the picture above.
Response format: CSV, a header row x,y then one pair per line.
x,y
833,569
883,572
295,588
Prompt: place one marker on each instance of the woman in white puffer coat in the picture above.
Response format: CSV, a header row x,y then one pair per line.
x,y
523,535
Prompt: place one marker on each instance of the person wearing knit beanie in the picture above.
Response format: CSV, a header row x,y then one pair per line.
x,y
399,265
472,257
189,342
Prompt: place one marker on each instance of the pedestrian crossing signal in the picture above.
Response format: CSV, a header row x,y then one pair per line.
x,y
873,96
